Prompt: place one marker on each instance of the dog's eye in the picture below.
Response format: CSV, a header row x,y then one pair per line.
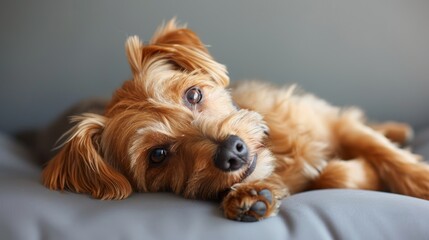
x,y
158,155
193,95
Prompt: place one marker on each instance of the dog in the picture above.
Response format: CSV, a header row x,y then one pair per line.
x,y
177,126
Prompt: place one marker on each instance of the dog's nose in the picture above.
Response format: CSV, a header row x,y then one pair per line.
x,y
232,154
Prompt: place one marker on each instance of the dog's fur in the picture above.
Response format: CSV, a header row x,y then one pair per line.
x,y
294,141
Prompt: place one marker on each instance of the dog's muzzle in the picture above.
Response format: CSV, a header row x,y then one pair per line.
x,y
232,154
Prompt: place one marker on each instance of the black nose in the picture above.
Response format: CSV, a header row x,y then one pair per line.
x,y
232,154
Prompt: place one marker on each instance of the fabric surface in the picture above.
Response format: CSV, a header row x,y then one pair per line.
x,y
30,211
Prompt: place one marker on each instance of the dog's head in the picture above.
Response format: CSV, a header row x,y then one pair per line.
x,y
172,127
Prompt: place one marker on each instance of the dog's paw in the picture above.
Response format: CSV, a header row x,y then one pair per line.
x,y
250,203
399,133
415,180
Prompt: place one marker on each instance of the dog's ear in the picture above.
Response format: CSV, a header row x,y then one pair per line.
x,y
177,46
174,33
134,51
80,167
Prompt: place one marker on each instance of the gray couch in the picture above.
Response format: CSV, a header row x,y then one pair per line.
x,y
30,211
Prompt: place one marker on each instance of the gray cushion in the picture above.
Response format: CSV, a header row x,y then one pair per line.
x,y
30,211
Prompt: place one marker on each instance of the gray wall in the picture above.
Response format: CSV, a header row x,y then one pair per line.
x,y
374,54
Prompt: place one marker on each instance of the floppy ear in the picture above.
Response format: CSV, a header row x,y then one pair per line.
x,y
176,46
80,167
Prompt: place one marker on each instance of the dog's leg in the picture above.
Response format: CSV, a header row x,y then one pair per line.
x,y
353,174
249,202
399,133
400,170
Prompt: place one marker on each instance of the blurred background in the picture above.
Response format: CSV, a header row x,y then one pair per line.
x,y
371,54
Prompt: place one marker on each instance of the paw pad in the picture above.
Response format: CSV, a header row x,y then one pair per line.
x,y
267,195
258,209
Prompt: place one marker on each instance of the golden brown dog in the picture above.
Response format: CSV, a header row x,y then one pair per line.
x,y
176,127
